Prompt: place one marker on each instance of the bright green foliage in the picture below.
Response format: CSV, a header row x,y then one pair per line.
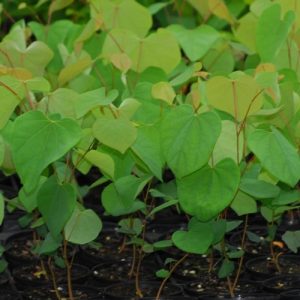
x,y
55,34
190,105
119,14
15,52
219,61
117,133
101,160
159,49
276,154
119,198
246,31
37,141
83,227
240,96
292,240
11,95
258,188
243,204
62,101
163,91
2,208
29,200
196,240
59,4
148,148
208,191
38,84
92,99
226,268
291,5
49,245
272,32
56,202
2,150
74,69
228,145
195,42
188,139
286,197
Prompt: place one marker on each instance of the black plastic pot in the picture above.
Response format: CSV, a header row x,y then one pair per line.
x,y
126,291
252,249
8,294
33,276
281,283
215,287
290,295
4,279
19,249
196,267
258,296
110,241
163,231
118,271
170,298
290,221
263,267
48,293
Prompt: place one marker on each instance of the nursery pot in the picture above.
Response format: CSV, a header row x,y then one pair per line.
x,y
117,271
80,292
290,295
215,287
19,249
34,276
264,267
126,291
281,283
9,294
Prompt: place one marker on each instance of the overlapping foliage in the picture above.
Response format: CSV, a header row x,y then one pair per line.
x,y
208,89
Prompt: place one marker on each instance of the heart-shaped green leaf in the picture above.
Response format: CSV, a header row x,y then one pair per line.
x,y
56,203
163,91
53,34
148,148
196,240
159,49
34,58
91,99
259,189
2,208
226,146
243,204
2,149
240,97
195,42
118,134
83,227
61,101
210,190
29,200
37,141
188,139
272,32
125,14
276,154
101,160
119,198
